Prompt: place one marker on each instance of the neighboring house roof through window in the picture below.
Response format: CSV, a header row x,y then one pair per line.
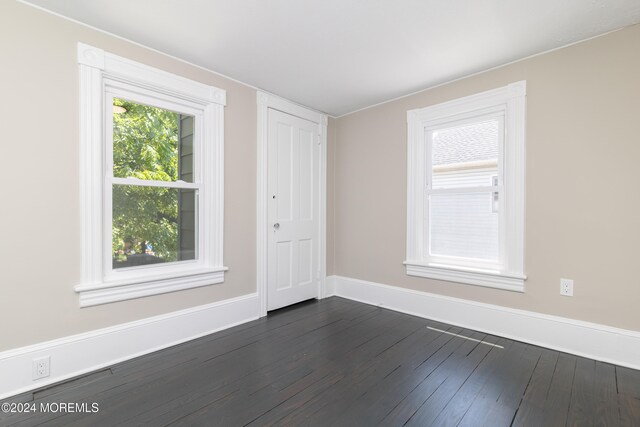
x,y
468,143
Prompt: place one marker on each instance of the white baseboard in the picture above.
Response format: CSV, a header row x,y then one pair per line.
x,y
79,354
86,352
592,340
330,286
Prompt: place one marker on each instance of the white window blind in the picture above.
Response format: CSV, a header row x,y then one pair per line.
x,y
462,222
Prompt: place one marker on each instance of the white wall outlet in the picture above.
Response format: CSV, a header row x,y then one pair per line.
x,y
40,367
566,287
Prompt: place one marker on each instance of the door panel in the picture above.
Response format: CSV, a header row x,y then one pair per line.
x,y
284,166
293,163
305,156
305,252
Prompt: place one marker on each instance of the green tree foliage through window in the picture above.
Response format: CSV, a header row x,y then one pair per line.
x,y
145,219
145,142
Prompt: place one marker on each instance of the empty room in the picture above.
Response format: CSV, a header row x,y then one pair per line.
x,y
320,213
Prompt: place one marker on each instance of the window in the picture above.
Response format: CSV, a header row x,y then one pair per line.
x,y
152,180
465,200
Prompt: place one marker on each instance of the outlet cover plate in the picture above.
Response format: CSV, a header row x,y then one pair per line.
x,y
566,287
41,367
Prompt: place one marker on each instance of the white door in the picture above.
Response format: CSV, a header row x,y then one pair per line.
x,y
293,227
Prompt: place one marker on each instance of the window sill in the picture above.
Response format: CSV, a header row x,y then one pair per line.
x,y
490,279
107,292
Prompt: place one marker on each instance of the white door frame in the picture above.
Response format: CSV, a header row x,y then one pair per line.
x,y
265,101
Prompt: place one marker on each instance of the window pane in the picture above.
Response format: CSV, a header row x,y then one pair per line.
x,y
463,225
465,156
151,143
152,225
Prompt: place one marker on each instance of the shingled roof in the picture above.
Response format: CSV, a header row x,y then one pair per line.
x,y
469,143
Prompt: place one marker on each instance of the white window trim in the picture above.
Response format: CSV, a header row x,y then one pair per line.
x,y
512,99
95,68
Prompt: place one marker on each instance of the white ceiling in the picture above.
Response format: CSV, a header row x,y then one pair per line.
x,y
338,56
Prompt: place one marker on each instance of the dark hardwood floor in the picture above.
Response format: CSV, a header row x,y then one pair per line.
x,y
343,363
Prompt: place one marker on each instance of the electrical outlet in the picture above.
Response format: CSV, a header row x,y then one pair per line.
x,y
566,287
40,367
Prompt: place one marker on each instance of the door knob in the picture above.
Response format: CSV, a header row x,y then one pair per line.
x,y
276,225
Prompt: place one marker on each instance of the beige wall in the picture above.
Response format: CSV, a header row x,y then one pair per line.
x,y
582,196
582,201
39,206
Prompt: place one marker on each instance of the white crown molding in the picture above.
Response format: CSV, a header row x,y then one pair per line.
x,y
83,353
376,104
586,339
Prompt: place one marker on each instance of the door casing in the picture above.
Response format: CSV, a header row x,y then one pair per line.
x,y
266,101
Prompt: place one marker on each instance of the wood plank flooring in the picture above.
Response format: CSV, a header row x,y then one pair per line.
x,y
337,362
